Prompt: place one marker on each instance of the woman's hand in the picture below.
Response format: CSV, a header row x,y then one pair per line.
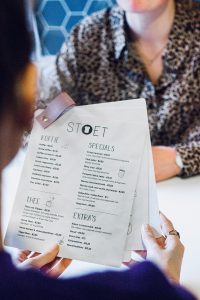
x,y
166,253
47,262
164,159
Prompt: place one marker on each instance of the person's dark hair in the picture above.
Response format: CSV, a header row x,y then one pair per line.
x,y
15,48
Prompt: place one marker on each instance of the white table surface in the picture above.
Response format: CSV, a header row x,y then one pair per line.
x,y
178,198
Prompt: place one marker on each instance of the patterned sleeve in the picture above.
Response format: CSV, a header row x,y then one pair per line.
x,y
189,150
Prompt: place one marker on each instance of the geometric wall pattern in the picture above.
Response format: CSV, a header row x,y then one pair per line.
x,y
56,18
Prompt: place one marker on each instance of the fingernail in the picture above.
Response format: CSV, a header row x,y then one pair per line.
x,y
55,247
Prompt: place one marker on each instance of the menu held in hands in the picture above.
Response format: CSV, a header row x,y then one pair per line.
x,y
87,184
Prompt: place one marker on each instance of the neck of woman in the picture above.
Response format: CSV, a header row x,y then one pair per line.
x,y
152,26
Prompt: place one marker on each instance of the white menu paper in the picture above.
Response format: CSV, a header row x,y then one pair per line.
x,y
87,184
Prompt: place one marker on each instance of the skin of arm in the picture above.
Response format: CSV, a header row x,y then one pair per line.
x,y
164,159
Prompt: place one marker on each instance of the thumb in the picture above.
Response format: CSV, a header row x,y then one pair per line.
x,y
44,258
148,237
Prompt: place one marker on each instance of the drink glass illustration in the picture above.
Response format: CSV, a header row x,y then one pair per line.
x,y
121,173
49,203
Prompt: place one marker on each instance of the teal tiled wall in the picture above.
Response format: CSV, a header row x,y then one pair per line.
x,y
56,18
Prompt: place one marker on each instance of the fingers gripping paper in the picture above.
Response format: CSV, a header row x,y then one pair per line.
x,y
87,184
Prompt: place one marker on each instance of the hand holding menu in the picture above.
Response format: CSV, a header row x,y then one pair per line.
x,y
87,184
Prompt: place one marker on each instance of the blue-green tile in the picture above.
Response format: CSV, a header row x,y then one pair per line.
x,y
53,13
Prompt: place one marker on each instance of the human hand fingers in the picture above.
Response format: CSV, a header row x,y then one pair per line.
x,y
172,241
23,255
58,267
136,256
46,268
161,241
39,260
149,238
130,263
142,253
166,224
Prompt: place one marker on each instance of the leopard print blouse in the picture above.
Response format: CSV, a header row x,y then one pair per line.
x,y
100,64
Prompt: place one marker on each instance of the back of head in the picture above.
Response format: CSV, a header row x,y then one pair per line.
x,y
15,48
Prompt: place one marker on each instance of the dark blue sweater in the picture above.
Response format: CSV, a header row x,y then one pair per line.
x,y
143,281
